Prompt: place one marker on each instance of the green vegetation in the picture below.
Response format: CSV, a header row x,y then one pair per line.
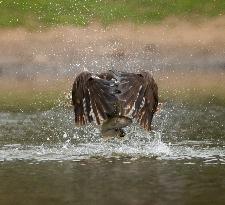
x,y
30,101
195,88
198,96
27,101
44,13
192,88
21,101
29,96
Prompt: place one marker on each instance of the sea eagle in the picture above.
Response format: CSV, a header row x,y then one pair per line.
x,y
113,99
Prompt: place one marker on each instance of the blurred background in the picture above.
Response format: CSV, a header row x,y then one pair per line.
x,y
46,159
44,44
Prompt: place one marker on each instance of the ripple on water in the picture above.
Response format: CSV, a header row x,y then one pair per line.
x,y
51,135
147,146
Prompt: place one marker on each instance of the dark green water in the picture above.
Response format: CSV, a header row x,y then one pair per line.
x,y
44,159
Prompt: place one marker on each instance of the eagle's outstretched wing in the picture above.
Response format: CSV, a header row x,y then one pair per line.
x,y
139,96
92,99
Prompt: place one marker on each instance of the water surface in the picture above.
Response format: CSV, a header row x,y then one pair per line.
x,y
44,158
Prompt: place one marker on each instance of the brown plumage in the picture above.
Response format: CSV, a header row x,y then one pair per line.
x,y
139,97
114,94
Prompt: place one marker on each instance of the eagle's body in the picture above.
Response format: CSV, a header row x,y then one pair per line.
x,y
112,99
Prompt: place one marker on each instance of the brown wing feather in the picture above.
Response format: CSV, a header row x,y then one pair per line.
x,y
92,99
139,97
129,86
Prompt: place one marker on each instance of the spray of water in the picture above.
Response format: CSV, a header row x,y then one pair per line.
x,y
52,135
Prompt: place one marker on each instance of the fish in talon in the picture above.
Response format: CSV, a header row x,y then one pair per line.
x,y
112,127
113,99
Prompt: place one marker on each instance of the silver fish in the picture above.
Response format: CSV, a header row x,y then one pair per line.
x,y
112,127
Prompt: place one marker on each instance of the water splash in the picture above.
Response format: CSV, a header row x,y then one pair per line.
x,y
145,146
52,135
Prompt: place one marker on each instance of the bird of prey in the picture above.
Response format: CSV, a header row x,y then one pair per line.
x,y
114,99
